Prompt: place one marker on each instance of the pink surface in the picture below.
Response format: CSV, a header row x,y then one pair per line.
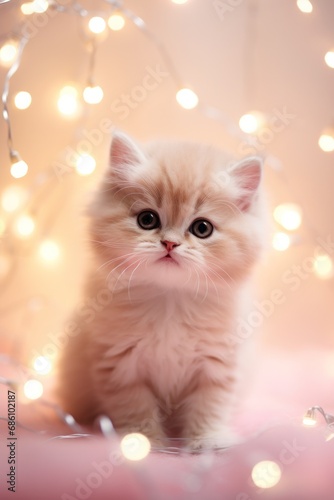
x,y
270,421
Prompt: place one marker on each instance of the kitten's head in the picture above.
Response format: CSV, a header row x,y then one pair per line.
x,y
177,215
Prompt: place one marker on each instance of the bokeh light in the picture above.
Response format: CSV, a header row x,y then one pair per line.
x,y
135,446
187,98
266,474
33,389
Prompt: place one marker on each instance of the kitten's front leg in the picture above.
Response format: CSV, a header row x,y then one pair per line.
x,y
205,414
134,408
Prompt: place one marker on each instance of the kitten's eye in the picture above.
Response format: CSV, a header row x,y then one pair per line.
x,y
201,228
148,220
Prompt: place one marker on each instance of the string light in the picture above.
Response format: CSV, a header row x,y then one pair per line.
x,y
13,197
323,266
251,122
288,215
309,418
85,164
27,8
97,25
329,58
187,98
266,474
42,365
8,53
281,241
33,389
68,101
135,446
326,140
116,22
93,95
19,168
305,6
22,100
49,251
24,226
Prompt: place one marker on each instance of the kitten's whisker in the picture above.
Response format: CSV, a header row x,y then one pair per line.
x,y
108,262
141,260
119,277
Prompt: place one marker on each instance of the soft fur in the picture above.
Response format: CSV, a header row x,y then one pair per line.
x,y
161,357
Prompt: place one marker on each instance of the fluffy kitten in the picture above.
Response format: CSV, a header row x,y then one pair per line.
x,y
176,230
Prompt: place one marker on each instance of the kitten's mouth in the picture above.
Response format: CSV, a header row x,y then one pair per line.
x,y
168,258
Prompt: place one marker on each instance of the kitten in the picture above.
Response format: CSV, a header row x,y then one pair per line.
x,y
176,230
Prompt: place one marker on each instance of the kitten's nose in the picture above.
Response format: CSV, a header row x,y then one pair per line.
x,y
169,245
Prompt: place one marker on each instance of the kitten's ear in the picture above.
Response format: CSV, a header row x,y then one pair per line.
x,y
124,153
248,173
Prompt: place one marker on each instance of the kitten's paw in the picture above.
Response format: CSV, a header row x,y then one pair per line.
x,y
220,442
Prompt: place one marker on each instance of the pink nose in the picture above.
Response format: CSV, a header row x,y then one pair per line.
x,y
169,245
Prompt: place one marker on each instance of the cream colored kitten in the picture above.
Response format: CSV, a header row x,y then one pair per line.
x,y
176,229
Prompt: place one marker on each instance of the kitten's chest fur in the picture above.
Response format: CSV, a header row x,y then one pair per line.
x,y
170,341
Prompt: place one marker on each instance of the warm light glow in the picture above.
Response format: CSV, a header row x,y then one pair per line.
x,y
326,141
40,6
135,446
8,53
24,226
22,100
97,25
251,122
93,95
68,101
116,22
49,251
85,165
281,241
288,215
179,2
42,365
187,98
33,389
27,8
266,474
19,169
323,266
329,58
13,198
309,421
305,6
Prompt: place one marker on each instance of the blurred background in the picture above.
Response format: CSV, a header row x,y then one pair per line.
x,y
248,76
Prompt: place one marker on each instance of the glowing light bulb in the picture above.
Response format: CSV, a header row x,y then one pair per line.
x,y
187,98
309,418
93,95
68,101
42,365
49,251
281,241
40,6
135,446
85,165
323,266
305,6
251,122
97,25
266,474
8,53
27,8
33,389
22,100
13,197
329,58
288,215
24,226
116,22
326,140
19,168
